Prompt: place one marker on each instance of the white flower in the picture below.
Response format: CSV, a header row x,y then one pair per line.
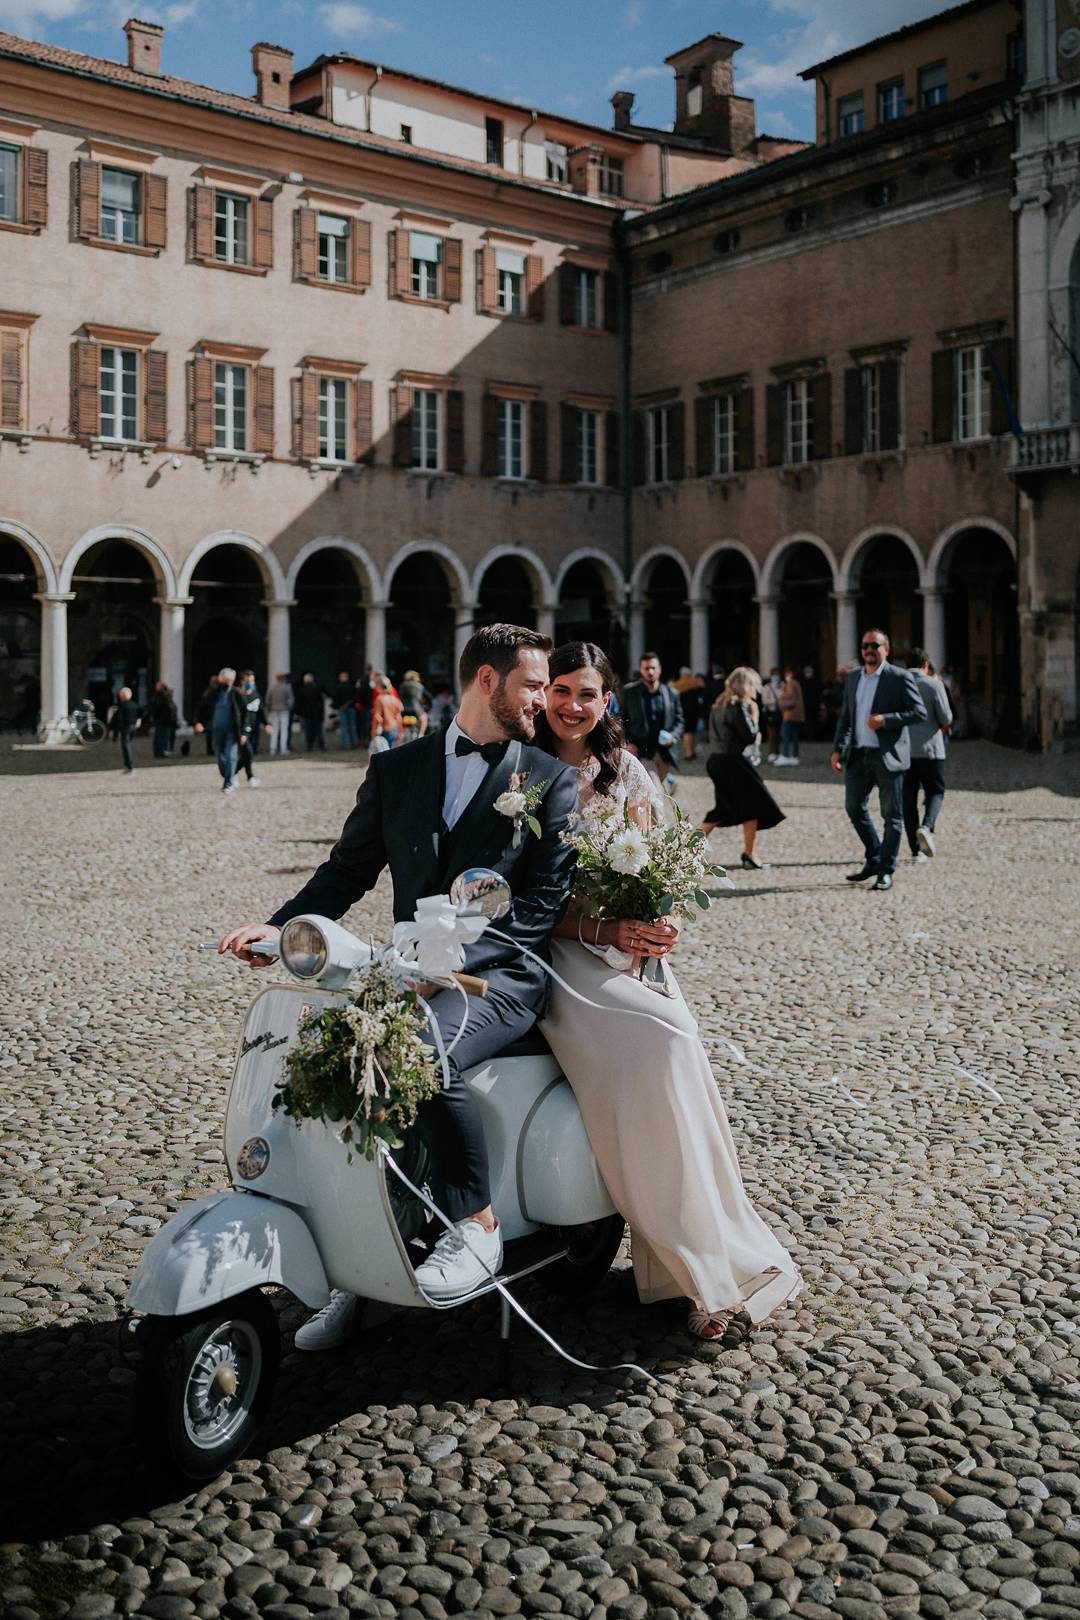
x,y
628,852
510,804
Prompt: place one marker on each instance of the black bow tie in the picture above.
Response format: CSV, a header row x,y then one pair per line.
x,y
491,753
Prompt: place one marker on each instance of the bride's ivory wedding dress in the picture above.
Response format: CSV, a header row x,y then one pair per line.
x,y
653,1114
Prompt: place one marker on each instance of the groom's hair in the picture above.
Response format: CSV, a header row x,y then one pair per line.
x,y
499,646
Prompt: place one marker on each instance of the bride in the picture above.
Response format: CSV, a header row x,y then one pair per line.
x,y
647,1094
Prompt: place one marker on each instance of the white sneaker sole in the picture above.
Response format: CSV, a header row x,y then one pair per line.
x,y
925,841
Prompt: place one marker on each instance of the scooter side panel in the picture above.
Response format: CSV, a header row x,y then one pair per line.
x,y
506,1092
559,1180
221,1246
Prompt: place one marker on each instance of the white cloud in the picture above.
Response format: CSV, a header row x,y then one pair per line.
x,y
629,76
774,121
33,17
826,28
633,14
29,17
343,17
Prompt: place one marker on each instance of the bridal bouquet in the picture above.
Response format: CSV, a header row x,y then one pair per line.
x,y
362,1064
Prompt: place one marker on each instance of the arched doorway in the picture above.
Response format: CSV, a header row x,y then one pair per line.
x,y
420,621
667,615
113,624
807,628
506,594
733,625
982,634
888,593
226,623
328,621
585,612
20,638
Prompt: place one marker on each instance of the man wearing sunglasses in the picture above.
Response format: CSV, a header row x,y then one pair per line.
x,y
873,749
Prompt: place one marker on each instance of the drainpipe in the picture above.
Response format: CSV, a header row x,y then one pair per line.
x,y
625,395
534,118
827,102
664,175
367,98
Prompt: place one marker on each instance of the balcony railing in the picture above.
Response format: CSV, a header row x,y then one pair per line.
x,y
1046,450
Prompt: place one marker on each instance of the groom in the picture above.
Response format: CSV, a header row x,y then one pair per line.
x,y
428,812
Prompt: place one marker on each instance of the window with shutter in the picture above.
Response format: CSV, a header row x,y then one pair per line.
x,y
568,274
534,287
37,187
305,244
511,452
201,223
452,262
889,395
612,449
658,444
774,424
536,460
231,406
11,379
455,431
263,444
401,414
510,270
155,210
263,245
87,199
232,228
11,185
971,391
943,363
568,444
364,436
588,447
360,236
201,402
156,427
821,416
744,430
305,406
121,207
999,357
426,254
677,440
703,436
334,443
335,255
490,430
612,306
426,430
853,411
84,389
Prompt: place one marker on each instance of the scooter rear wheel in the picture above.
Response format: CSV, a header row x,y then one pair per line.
x,y
591,1249
203,1385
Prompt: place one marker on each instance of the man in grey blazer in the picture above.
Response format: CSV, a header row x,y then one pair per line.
x,y
872,749
927,769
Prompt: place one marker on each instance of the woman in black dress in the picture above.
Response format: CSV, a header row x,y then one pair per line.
x,y
741,795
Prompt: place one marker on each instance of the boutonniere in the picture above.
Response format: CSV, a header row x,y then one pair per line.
x,y
519,802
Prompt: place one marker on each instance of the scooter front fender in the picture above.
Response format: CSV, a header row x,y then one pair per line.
x,y
221,1246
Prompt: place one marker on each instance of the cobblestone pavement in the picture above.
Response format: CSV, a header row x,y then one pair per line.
x,y
904,1440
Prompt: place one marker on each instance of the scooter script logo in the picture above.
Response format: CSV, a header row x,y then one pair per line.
x,y
265,1040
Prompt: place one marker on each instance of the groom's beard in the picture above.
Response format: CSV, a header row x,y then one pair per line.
x,y
518,727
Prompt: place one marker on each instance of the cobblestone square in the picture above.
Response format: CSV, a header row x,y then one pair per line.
x,y
902,1084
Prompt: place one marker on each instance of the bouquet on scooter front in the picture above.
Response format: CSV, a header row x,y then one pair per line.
x,y
362,1064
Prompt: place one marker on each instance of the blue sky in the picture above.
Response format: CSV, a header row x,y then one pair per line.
x,y
559,55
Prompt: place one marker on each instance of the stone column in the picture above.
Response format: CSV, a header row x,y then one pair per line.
x,y
847,628
464,625
278,649
54,660
375,635
545,618
171,659
636,626
768,632
699,634
934,624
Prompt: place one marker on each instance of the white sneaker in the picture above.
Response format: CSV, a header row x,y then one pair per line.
x,y
462,1260
920,857
254,781
925,840
774,759
229,787
331,1326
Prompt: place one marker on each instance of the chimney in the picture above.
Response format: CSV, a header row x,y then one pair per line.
x,y
623,102
144,45
706,105
273,66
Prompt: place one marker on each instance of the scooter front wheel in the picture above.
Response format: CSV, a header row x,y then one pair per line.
x,y
590,1251
204,1383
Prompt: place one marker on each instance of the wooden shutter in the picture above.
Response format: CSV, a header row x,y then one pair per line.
x,y
774,424
452,269
568,444
87,178
943,381
201,403
1000,381
36,209
568,294
704,414
156,426
85,389
306,415
262,241
821,419
400,277
611,301
360,251
853,411
155,191
744,430
534,286
613,449
538,454
11,383
889,403
201,222
262,441
305,244
487,281
455,431
364,434
677,440
638,450
401,413
489,437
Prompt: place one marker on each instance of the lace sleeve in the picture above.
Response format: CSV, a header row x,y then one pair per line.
x,y
640,788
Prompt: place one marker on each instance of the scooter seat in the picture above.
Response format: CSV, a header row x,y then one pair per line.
x,y
531,1045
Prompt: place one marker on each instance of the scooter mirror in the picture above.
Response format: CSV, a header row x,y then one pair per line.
x,y
480,891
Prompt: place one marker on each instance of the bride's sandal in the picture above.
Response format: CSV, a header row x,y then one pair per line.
x,y
710,1324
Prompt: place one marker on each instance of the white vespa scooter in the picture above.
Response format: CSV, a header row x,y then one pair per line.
x,y
300,1216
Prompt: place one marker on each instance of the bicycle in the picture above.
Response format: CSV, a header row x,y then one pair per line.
x,y
81,725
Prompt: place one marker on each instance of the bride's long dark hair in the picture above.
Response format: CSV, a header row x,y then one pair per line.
x,y
605,740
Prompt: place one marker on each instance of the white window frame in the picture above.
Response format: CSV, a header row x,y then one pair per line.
x,y
610,176
333,247
334,413
232,228
934,94
557,162
11,213
973,392
798,421
658,444
587,298
510,275
853,121
118,394
512,440
119,224
232,406
725,433
427,273
892,101
870,390
588,447
427,418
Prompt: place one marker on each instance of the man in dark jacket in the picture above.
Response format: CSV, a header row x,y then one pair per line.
x,y
344,701
125,723
872,748
255,723
652,717
311,707
204,712
226,728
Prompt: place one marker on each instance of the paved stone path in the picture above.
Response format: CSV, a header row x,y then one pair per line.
x,y
904,1441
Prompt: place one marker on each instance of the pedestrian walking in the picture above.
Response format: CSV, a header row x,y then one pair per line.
x,y
255,725
771,714
365,701
164,717
204,712
691,690
872,748
279,707
344,701
415,703
125,723
311,707
387,714
928,751
226,728
652,717
734,735
443,708
792,718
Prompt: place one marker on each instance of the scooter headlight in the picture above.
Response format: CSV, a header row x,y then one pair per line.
x,y
304,949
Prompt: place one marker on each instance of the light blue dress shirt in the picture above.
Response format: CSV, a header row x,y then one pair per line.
x,y
464,775
864,708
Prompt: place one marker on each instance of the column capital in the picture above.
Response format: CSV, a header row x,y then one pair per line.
x,y
932,593
379,606
54,597
770,600
173,601
699,604
289,603
846,597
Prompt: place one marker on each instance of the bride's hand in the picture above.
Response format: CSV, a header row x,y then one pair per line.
x,y
638,938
